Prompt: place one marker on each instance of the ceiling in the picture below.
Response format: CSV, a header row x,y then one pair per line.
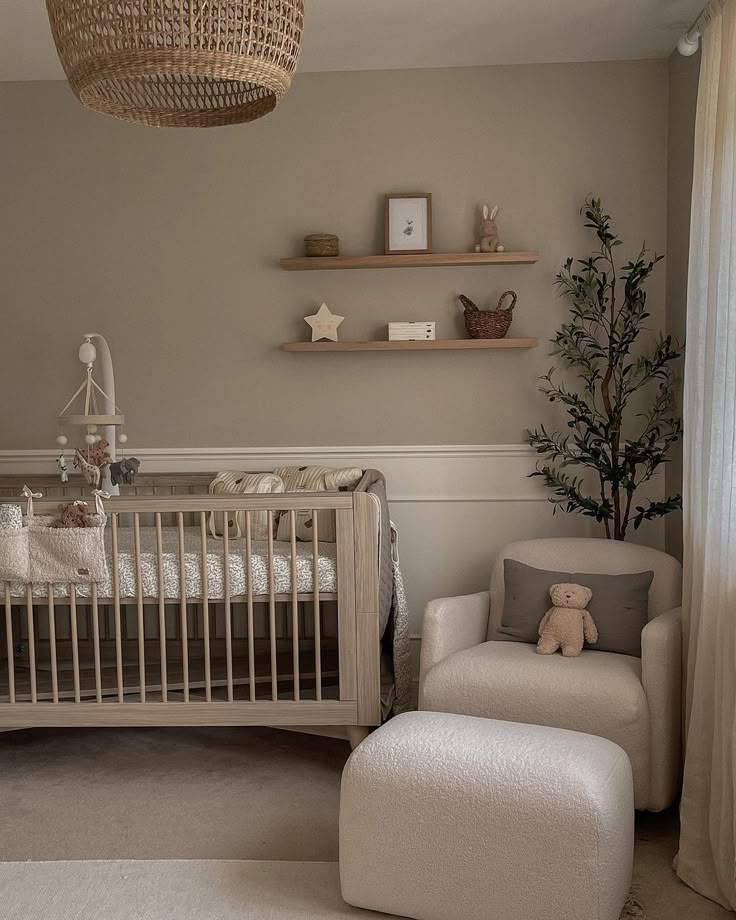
x,y
395,34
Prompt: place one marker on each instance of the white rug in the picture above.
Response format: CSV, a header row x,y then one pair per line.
x,y
177,889
173,890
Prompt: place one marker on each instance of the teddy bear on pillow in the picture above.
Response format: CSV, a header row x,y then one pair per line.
x,y
567,625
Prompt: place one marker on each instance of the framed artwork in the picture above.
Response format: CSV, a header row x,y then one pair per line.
x,y
408,223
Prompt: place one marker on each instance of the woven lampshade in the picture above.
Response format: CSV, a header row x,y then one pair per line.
x,y
180,63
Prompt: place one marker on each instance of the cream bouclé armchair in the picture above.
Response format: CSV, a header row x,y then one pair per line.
x,y
633,702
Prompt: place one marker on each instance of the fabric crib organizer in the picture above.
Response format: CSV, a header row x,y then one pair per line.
x,y
35,551
150,619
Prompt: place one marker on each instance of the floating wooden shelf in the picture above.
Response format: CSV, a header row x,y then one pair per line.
x,y
422,260
436,345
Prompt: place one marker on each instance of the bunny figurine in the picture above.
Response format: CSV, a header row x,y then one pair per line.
x,y
489,232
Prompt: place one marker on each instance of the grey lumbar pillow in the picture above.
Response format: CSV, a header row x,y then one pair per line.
x,y
620,605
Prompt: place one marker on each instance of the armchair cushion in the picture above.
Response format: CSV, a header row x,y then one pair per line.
x,y
619,604
611,557
599,693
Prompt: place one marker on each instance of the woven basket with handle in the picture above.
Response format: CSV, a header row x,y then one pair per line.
x,y
489,324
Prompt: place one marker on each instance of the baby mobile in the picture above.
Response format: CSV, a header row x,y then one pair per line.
x,y
96,459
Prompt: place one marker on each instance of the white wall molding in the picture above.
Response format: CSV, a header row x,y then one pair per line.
x,y
415,473
177,455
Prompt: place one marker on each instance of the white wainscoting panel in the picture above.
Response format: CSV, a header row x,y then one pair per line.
x,y
455,506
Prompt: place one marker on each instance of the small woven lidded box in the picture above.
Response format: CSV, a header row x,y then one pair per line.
x,y
321,244
489,324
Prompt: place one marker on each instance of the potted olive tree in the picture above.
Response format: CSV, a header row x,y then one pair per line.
x,y
622,413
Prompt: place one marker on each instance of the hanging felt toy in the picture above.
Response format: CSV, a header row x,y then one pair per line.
x,y
62,467
124,471
92,474
99,454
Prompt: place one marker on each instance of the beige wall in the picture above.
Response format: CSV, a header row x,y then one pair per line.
x,y
682,99
167,242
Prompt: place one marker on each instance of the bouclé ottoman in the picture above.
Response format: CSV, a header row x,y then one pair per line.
x,y
446,816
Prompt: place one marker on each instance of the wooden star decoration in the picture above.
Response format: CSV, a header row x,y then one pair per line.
x,y
324,324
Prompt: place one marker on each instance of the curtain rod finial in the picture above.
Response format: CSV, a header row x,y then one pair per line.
x,y
689,43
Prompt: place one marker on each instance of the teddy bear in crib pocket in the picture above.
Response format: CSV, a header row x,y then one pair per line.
x,y
74,514
567,625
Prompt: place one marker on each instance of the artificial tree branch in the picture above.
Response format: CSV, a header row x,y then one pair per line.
x,y
598,341
606,522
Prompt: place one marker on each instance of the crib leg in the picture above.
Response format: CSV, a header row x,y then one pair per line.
x,y
356,734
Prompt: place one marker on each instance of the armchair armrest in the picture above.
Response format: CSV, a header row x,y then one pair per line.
x,y
450,625
661,676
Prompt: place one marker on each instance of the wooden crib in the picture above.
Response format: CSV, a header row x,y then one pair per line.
x,y
191,629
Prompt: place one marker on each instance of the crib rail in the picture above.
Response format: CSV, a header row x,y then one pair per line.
x,y
293,650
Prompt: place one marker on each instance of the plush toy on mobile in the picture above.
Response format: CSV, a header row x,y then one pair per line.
x,y
124,471
61,465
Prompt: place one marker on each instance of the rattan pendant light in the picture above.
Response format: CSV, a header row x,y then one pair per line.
x,y
180,63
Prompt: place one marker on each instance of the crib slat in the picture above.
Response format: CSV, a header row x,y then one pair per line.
x,y
10,644
75,640
183,606
294,605
52,647
317,623
205,607
161,607
116,603
31,642
139,598
249,588
272,612
228,608
96,643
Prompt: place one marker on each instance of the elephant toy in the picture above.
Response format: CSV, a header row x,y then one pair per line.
x,y
124,471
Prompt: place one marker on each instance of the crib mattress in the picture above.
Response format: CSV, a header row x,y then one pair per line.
x,y
216,568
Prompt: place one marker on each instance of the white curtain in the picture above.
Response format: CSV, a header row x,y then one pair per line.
x,y
708,836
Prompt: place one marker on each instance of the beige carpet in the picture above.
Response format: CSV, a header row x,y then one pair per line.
x,y
182,890
169,794
222,794
174,890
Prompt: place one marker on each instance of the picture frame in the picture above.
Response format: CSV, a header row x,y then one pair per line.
x,y
408,223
